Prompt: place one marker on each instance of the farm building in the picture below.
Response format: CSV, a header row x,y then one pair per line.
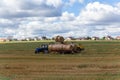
x,y
108,38
118,37
95,38
2,40
69,38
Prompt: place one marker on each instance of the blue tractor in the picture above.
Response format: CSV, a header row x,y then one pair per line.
x,y
43,48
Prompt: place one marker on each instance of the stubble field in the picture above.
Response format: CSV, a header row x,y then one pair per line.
x,y
99,61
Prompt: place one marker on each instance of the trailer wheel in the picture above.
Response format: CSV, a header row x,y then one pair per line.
x,y
62,52
72,52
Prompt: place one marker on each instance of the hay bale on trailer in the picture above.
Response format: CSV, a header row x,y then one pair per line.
x,y
60,48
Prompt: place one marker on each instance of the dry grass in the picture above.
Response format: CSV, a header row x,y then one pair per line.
x,y
49,68
23,64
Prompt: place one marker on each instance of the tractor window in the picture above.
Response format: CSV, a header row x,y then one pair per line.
x,y
44,46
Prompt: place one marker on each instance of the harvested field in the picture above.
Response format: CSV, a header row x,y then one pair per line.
x,y
99,61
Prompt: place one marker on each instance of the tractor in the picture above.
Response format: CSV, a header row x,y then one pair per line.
x,y
60,47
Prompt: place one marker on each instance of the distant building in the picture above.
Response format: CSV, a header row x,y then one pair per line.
x,y
69,38
36,38
2,40
29,39
95,38
118,37
108,38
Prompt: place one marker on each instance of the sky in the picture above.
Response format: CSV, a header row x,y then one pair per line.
x,y
68,18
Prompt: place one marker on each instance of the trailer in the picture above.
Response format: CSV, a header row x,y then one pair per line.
x,y
60,47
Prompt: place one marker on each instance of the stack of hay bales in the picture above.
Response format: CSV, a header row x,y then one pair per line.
x,y
60,46
59,39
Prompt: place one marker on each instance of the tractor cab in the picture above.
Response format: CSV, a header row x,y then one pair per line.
x,y
43,48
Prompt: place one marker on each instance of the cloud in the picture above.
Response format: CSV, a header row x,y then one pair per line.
x,y
103,13
5,22
81,1
70,3
33,8
67,16
99,18
45,18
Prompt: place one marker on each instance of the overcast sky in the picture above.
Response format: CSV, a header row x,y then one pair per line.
x,y
77,18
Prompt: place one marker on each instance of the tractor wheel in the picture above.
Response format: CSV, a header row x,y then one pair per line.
x,y
36,52
45,51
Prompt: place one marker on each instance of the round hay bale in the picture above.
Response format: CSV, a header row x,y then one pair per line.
x,y
59,39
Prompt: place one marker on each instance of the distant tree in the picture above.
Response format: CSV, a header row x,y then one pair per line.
x,y
53,38
103,38
15,39
44,38
88,38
